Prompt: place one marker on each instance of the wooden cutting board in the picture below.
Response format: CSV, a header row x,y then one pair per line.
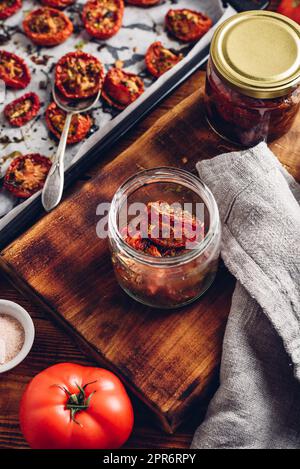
x,y
167,358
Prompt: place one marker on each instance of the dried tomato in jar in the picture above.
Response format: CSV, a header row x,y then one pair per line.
x,y
167,256
253,77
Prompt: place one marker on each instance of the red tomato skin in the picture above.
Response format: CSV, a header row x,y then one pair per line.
x,y
18,191
15,82
46,39
11,10
84,123
150,54
60,4
58,72
46,423
19,121
143,3
92,31
192,36
290,8
111,91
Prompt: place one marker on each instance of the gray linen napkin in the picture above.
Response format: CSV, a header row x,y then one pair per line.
x,y
258,402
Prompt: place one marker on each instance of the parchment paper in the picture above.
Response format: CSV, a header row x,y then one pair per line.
x,y
140,28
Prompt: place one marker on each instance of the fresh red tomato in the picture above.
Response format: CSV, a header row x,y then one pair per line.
x,y
121,88
55,120
68,406
143,3
27,174
58,3
79,75
9,8
13,70
187,25
290,8
103,18
159,59
47,26
22,110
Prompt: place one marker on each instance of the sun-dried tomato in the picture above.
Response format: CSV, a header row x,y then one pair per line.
x,y
22,110
79,75
13,70
171,227
55,120
47,26
187,25
27,174
143,3
58,3
9,8
121,88
159,59
103,18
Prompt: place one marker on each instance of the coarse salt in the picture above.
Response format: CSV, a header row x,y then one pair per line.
x,y
2,351
12,337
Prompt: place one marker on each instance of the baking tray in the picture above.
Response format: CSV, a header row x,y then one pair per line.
x,y
128,118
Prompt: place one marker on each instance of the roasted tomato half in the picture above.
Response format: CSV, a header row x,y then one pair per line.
x,y
121,88
47,26
187,25
58,3
103,18
55,120
79,75
159,59
140,244
143,3
22,110
13,70
9,8
27,174
171,227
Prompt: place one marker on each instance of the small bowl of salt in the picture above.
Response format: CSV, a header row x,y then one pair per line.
x,y
16,334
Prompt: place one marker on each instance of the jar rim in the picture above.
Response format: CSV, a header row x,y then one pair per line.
x,y
182,177
258,74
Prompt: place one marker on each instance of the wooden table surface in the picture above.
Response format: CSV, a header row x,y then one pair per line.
x,y
53,346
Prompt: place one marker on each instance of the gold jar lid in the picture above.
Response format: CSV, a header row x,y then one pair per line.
x,y
258,53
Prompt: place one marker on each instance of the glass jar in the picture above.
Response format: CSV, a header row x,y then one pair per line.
x,y
253,74
165,282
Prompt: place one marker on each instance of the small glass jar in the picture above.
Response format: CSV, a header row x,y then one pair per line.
x,y
165,282
252,84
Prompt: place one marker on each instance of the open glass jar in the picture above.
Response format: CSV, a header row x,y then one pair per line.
x,y
160,275
253,75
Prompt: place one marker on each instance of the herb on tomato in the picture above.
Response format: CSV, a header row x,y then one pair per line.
x,y
121,88
27,174
22,110
290,8
9,8
58,3
187,25
47,26
13,70
55,120
103,18
159,59
79,75
143,3
68,406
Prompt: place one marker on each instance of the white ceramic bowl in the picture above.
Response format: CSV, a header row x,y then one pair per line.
x,y
15,310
